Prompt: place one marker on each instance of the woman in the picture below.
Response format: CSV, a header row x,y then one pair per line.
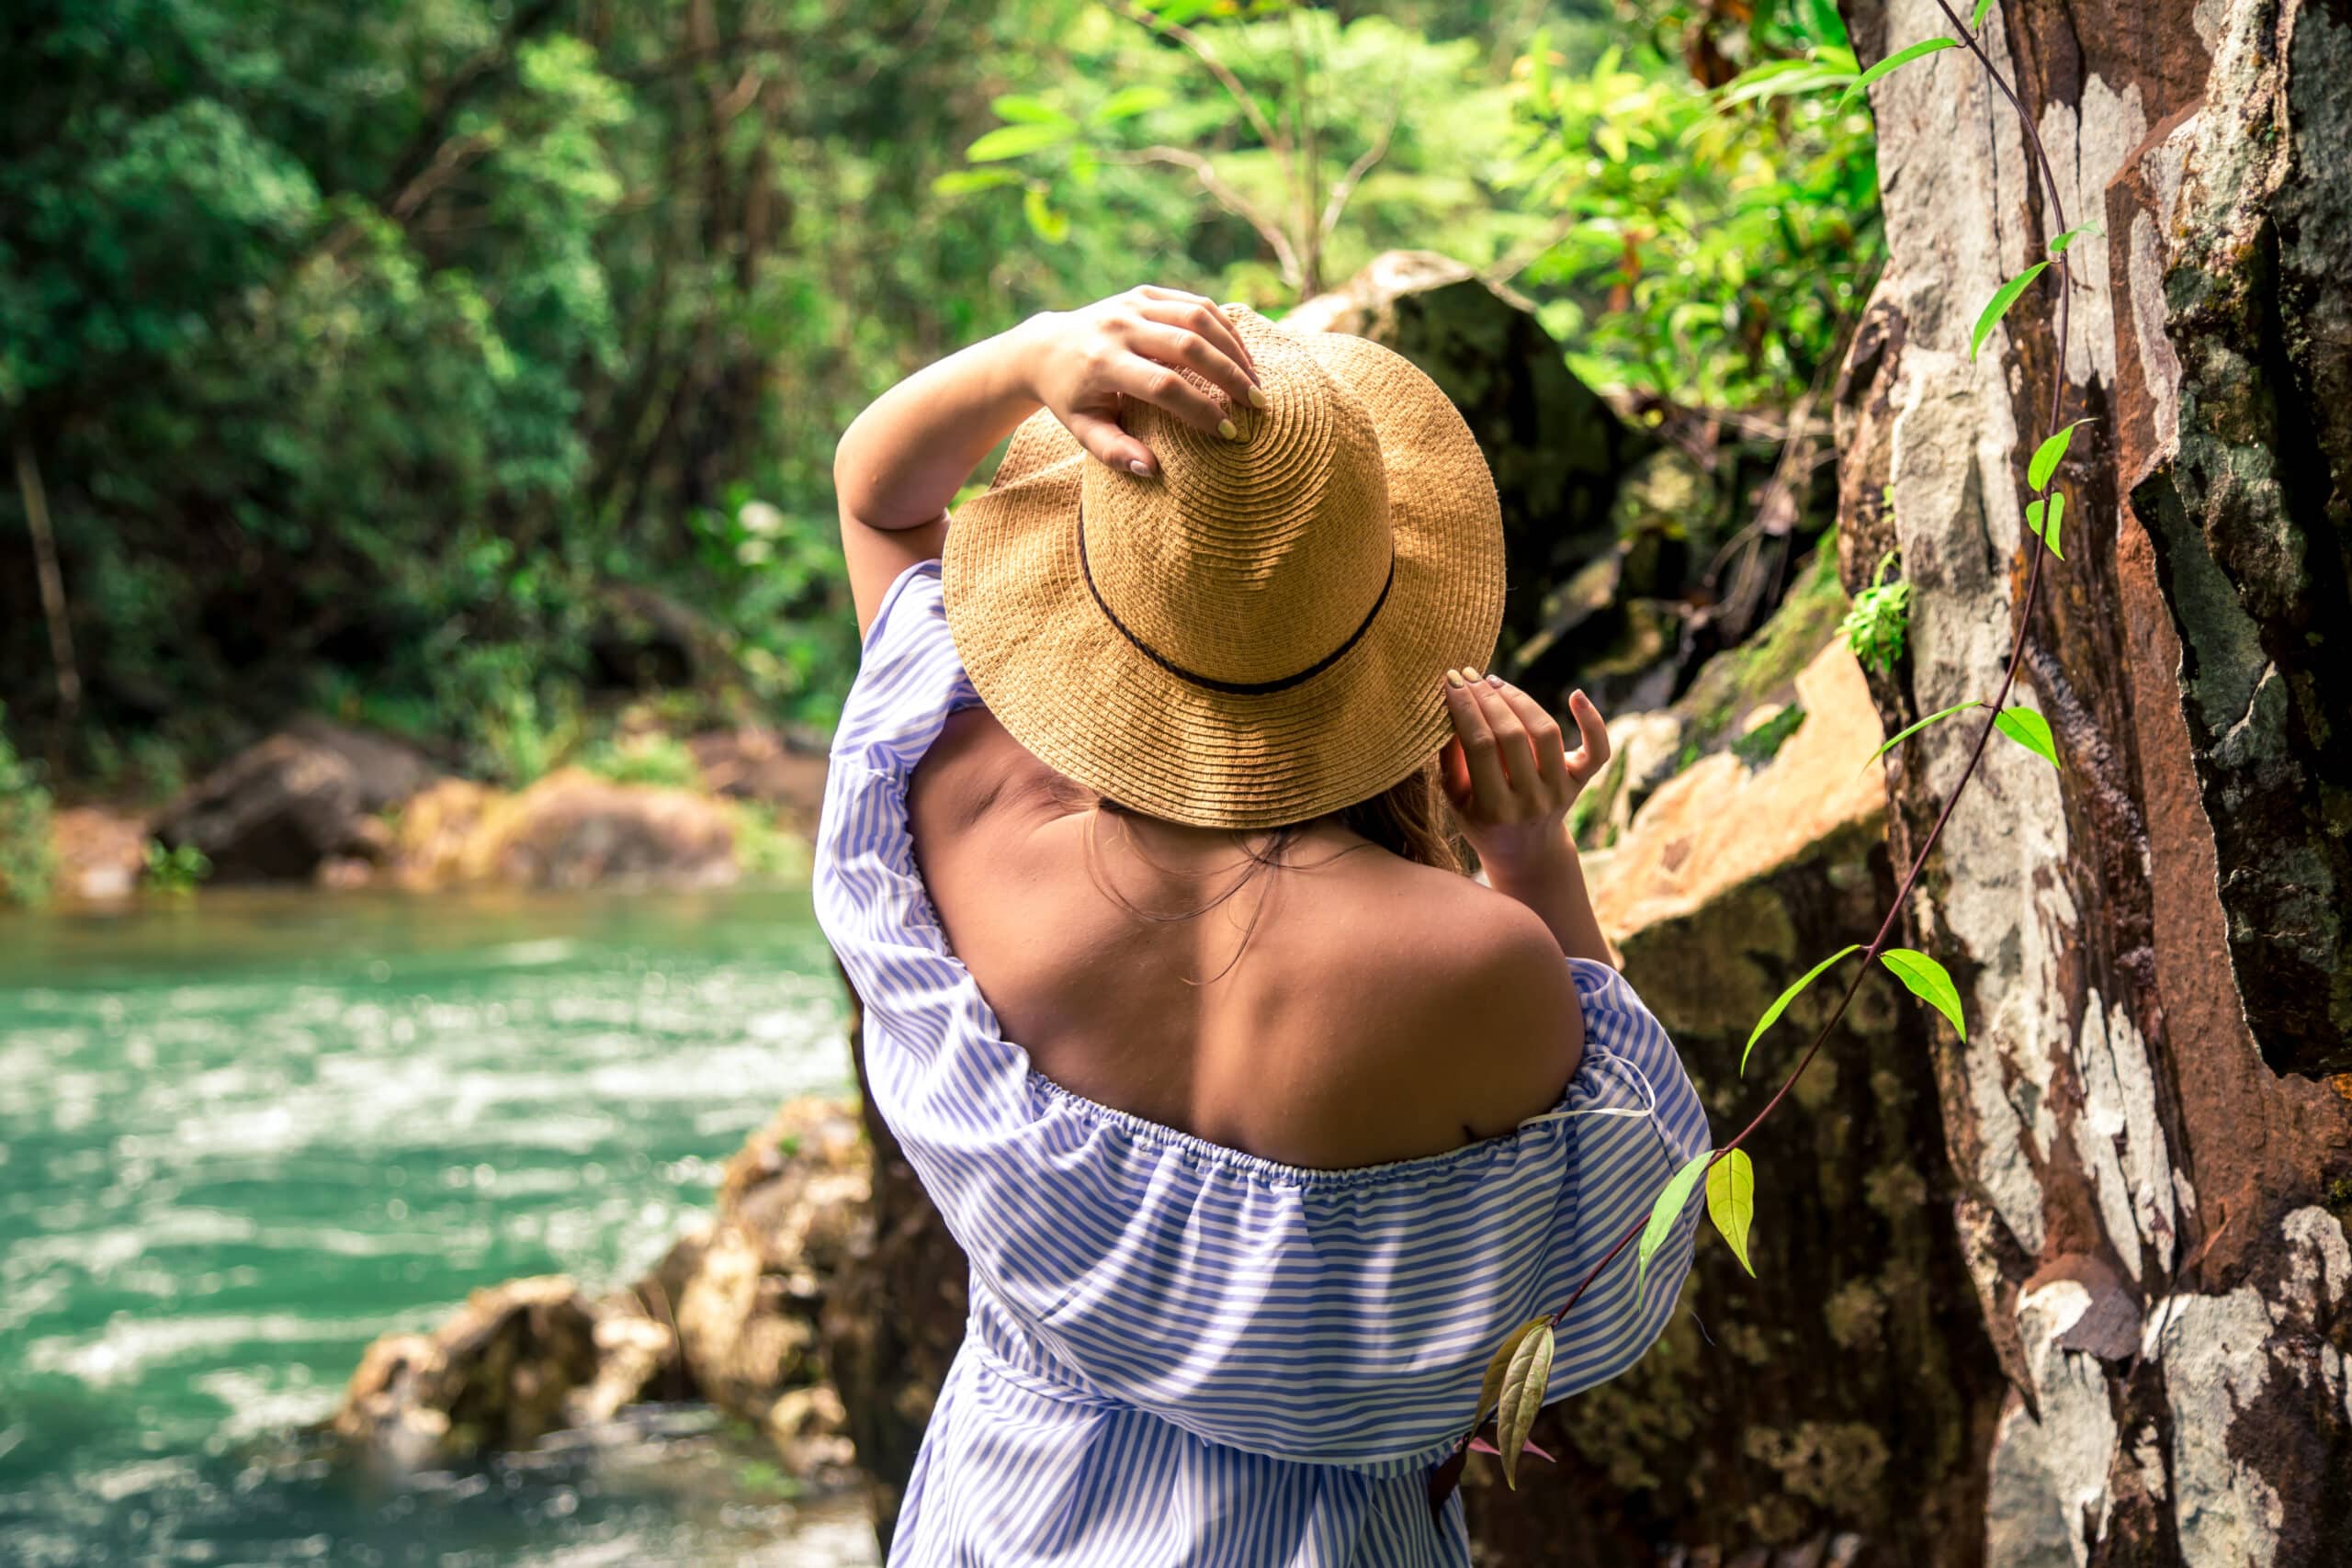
x,y
1262,1125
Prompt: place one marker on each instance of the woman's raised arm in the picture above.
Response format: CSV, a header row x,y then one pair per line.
x,y
901,461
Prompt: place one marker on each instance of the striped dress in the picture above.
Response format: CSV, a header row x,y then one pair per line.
x,y
1177,1353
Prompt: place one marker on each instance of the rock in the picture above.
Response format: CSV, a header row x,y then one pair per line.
x,y
1726,1443
99,854
272,813
388,771
1557,451
729,1316
1721,822
773,768
435,829
570,829
500,1374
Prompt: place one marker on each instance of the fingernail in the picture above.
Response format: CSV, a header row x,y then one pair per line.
x,y
1469,674
1225,428
1453,678
1494,679
1258,400
1140,468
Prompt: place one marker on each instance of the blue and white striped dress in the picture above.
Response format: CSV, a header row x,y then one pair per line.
x,y
1177,1353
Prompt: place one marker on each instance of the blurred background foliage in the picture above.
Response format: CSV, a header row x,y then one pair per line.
x,y
466,368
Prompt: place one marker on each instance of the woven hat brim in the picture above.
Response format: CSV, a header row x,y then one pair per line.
x,y
1078,694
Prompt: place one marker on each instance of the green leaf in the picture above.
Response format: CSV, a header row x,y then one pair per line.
x,y
1522,1396
1731,1203
1663,1214
1928,982
2029,729
1781,1004
1015,140
1049,225
960,182
1895,61
2058,245
2048,456
1998,306
1129,102
1976,21
1491,1392
1539,66
1900,736
1027,110
2057,514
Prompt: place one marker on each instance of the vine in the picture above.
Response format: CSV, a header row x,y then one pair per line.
x,y
1520,1368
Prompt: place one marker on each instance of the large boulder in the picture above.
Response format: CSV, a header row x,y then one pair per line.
x,y
573,829
99,854
1835,1407
499,1374
1557,451
273,813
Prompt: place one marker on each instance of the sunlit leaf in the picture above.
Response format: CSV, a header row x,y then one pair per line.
x,y
1976,20
1129,102
1998,306
1928,982
1900,736
1731,1203
1671,1201
2048,536
2048,456
2029,729
2058,245
1539,66
1524,1382
1491,1392
1895,61
1050,225
1780,1003
959,181
1014,141
1028,111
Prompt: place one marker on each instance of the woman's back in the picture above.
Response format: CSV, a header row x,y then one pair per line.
x,y
1336,1006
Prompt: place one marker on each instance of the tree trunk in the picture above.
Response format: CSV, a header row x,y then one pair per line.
x,y
2152,1156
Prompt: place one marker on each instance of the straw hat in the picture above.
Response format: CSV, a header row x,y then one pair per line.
x,y
1258,635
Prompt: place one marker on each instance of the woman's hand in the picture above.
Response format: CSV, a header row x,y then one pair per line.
x,y
1509,771
1512,779
1087,364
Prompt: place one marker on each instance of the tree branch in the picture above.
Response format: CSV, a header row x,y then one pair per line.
x,y
1275,143
1232,200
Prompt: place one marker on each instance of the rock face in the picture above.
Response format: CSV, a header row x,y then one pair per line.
x,y
2150,1148
1837,1406
1557,451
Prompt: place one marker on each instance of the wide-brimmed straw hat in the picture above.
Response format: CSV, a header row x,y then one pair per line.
x,y
1259,634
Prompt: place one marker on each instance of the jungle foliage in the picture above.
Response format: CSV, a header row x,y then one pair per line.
x,y
456,366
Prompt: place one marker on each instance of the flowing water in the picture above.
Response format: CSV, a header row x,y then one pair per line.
x,y
243,1134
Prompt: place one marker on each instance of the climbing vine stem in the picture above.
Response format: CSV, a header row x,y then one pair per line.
x,y
1921,973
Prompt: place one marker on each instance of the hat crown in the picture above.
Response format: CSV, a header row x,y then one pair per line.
x,y
1250,561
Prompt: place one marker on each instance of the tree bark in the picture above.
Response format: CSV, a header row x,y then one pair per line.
x,y
2150,1123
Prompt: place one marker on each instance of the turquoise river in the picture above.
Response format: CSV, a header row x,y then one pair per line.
x,y
242,1135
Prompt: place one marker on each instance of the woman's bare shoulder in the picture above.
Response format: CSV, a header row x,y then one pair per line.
x,y
1442,1011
